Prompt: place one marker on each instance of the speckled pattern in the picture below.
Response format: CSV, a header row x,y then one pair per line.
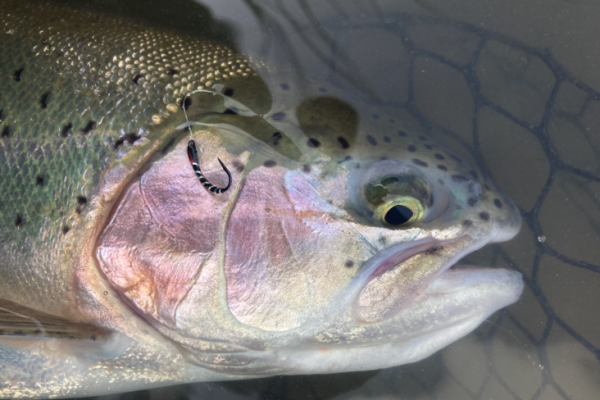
x,y
78,89
532,125
481,366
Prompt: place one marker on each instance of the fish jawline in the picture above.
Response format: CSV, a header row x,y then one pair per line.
x,y
398,274
452,306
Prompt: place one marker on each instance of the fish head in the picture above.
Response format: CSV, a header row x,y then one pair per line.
x,y
333,233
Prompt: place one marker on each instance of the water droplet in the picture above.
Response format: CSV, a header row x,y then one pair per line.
x,y
68,289
541,239
105,293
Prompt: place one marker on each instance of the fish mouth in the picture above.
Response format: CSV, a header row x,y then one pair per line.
x,y
399,274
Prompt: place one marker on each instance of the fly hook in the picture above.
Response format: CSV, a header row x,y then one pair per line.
x,y
193,155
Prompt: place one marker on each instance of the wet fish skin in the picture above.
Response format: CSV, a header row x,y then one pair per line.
x,y
250,302
77,89
80,94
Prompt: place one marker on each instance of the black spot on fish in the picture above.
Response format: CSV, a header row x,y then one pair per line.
x,y
375,116
66,130
472,201
93,337
486,187
402,133
129,138
278,116
186,103
1,115
412,148
456,158
349,264
441,182
428,146
382,240
474,174
439,156
306,168
91,125
386,139
276,137
137,78
497,203
39,180
5,132
419,162
239,167
231,111
65,229
81,202
467,222
459,178
172,72
18,74
166,148
442,167
314,143
423,138
343,142
228,92
357,165
270,163
347,158
285,86
371,140
484,216
44,100
18,220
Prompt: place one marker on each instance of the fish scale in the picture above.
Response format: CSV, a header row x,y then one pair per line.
x,y
84,64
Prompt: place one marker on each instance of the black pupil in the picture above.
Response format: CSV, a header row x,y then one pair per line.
x,y
398,215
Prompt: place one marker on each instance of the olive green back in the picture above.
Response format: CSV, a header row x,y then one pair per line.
x,y
77,89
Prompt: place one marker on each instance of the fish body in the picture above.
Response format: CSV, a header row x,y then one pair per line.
x,y
330,251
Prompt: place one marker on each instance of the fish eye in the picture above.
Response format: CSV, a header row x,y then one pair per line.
x,y
402,211
398,201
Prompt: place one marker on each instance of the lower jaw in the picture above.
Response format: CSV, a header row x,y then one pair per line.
x,y
389,289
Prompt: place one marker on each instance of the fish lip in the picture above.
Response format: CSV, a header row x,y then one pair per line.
x,y
394,256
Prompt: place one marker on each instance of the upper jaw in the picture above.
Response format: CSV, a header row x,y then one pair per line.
x,y
397,275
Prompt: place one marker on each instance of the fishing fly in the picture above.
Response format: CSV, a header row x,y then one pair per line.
x,y
193,156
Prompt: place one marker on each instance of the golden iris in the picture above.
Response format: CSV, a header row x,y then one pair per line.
x,y
402,211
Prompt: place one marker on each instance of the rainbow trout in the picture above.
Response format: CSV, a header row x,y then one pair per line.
x,y
123,265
